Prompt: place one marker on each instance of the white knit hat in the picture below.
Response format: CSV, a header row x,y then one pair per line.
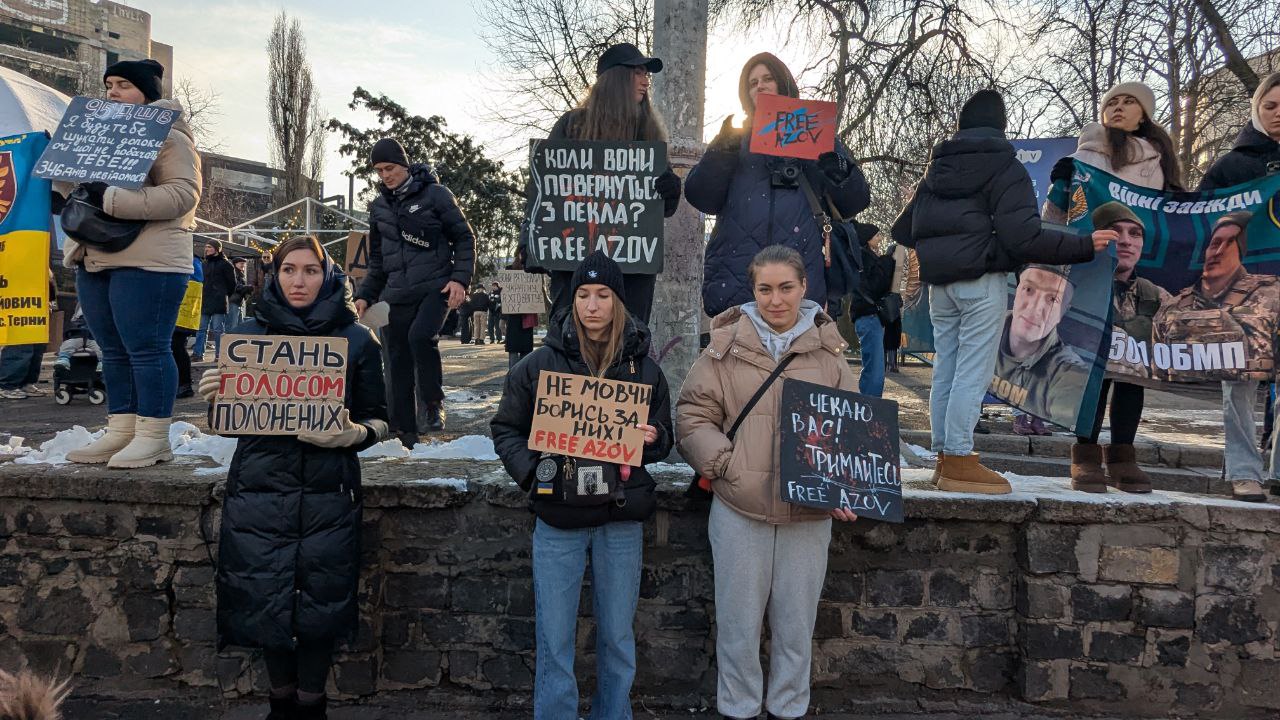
x,y
1145,96
1267,84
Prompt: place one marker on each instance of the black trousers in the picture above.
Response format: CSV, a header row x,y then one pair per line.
x,y
639,289
178,345
1126,412
412,338
307,667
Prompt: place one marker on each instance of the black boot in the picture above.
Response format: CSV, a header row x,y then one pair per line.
x,y
285,708
408,439
435,417
316,711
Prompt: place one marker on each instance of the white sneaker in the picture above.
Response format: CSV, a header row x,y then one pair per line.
x,y
14,394
34,390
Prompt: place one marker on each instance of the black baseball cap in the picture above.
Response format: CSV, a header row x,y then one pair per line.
x,y
628,55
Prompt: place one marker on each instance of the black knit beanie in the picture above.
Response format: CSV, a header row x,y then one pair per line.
x,y
599,269
984,109
144,74
388,150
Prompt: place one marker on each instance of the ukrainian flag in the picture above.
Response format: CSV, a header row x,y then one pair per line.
x,y
25,220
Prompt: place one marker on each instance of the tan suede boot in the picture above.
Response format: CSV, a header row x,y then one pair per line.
x,y
119,433
149,446
964,473
1087,474
937,467
1123,471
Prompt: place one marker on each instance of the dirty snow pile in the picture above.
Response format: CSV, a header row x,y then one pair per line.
x,y
53,451
467,447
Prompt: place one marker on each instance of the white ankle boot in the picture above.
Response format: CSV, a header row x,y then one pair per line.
x,y
149,446
119,433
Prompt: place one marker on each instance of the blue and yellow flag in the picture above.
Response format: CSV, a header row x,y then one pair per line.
x,y
24,242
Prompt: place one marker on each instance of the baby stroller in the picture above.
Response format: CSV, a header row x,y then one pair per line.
x,y
78,369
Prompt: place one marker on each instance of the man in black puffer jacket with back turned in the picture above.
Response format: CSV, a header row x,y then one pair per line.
x,y
972,220
421,256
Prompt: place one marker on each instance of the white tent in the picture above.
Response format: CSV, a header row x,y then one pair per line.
x,y
27,105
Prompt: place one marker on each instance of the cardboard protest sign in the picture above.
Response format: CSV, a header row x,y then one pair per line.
x,y
357,255
279,385
597,196
839,449
103,141
788,127
24,243
589,417
521,292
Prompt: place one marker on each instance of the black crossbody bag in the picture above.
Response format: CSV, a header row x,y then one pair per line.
x,y
700,488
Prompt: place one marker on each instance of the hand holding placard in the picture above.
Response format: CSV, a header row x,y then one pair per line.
x,y
591,418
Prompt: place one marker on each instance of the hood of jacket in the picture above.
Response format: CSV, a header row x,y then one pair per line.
x,y
734,329
968,161
333,309
562,337
420,176
1252,140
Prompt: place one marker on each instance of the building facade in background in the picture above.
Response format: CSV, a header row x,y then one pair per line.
x,y
68,44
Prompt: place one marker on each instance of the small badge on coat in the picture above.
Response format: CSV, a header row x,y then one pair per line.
x,y
591,481
545,473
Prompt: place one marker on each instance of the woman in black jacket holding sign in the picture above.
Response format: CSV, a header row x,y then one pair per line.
x,y
289,552
594,337
617,108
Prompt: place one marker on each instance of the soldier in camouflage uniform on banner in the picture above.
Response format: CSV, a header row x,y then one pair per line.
x,y
1035,369
1230,305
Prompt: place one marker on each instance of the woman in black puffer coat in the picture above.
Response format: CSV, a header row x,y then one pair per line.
x,y
1256,152
599,508
289,552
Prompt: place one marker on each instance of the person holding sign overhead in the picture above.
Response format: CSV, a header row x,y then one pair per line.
x,y
289,550
617,108
770,556
762,200
131,296
582,505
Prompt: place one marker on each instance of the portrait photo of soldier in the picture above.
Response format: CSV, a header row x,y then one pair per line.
x,y
1035,370
1135,300
1227,316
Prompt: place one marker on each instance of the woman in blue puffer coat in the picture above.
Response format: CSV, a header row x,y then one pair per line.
x,y
757,200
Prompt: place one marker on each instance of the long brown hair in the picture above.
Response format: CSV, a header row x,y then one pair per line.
x,y
781,75
297,242
610,112
1121,150
600,356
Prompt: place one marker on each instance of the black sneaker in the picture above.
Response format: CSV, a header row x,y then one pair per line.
x,y
407,439
1275,489
435,417
185,391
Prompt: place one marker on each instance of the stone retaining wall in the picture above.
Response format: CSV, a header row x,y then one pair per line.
x,y
1137,607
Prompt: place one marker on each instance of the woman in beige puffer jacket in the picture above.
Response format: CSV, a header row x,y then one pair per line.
x,y
770,556
131,297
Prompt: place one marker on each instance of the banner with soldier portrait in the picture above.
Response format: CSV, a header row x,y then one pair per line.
x,y
1195,293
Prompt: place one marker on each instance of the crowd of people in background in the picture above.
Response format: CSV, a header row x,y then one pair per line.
x,y
772,301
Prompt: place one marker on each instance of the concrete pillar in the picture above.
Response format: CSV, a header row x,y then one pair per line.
x,y
680,39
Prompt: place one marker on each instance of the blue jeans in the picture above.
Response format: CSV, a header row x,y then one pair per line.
x,y
235,316
559,560
20,365
871,339
209,325
131,314
968,317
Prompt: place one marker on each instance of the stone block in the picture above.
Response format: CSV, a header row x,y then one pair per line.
x,y
928,628
985,630
1147,565
1200,696
1172,649
356,676
160,526
508,672
147,615
993,591
99,662
1139,536
1091,683
193,576
65,611
877,625
395,629
1158,607
1050,549
1041,681
843,587
1100,602
102,521
199,665
420,668
30,521
152,661
991,672
830,623
1041,599
417,591
1232,567
1050,642
1113,647
1229,619
1258,686
517,634
948,589
195,624
895,588
51,658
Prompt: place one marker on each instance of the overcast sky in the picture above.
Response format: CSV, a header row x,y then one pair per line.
x,y
426,55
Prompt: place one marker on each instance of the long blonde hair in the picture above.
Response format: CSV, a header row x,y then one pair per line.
x,y
610,112
600,356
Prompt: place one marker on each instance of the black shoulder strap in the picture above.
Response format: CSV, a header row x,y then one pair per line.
x,y
759,394
815,205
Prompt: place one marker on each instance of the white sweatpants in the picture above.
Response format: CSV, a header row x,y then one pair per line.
x,y
775,568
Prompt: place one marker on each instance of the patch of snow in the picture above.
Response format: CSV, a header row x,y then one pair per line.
x,y
14,446
457,484
385,449
186,439
467,447
669,467
54,450
469,402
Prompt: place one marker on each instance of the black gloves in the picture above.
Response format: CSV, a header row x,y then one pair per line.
x,y
728,140
1063,170
668,185
56,202
834,166
96,190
